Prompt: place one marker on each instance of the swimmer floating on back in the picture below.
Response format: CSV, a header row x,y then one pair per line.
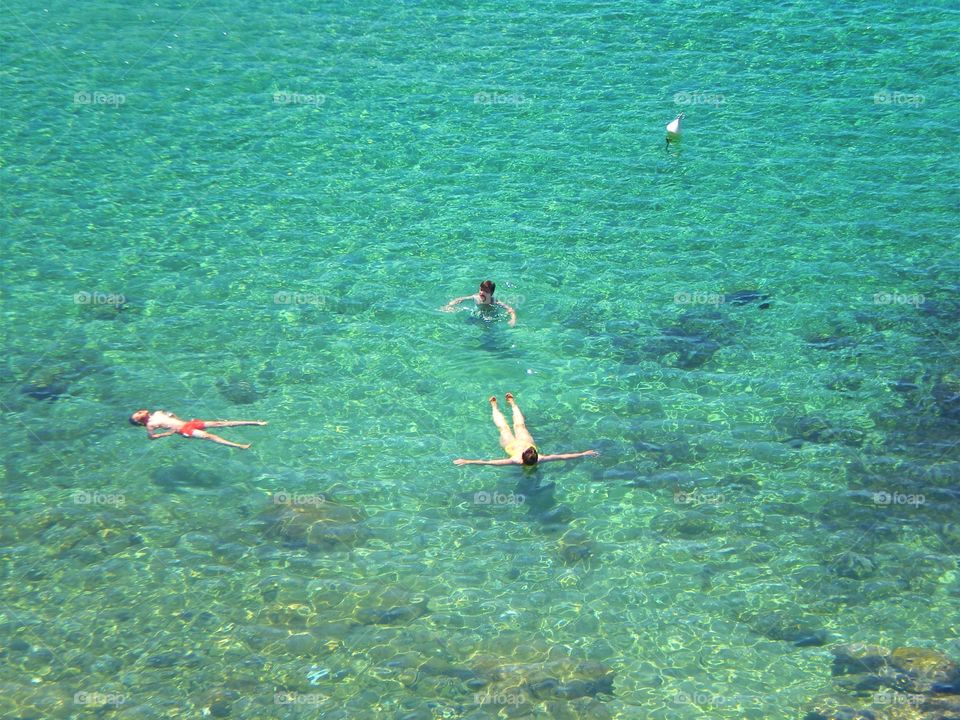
x,y
519,443
187,428
484,298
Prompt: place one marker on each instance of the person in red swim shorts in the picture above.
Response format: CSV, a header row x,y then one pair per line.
x,y
187,428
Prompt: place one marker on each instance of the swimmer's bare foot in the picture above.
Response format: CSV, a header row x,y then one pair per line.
x,y
245,447
509,397
493,400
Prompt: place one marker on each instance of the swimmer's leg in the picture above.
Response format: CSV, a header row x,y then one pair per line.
x,y
231,423
519,424
506,437
200,434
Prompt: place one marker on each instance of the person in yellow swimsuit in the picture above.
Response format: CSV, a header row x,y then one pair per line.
x,y
518,443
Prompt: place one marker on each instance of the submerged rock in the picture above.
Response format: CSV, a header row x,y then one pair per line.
x,y
742,297
574,546
946,395
182,475
103,310
553,689
818,430
689,524
555,517
926,668
858,658
325,525
814,429
239,391
43,391
831,342
830,710
904,385
950,534
556,680
692,341
689,351
799,631
946,311
219,703
67,370
844,382
671,480
174,658
854,565
903,684
397,615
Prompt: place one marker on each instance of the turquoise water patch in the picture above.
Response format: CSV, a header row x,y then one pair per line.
x,y
249,213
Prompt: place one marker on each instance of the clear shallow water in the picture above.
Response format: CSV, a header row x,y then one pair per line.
x,y
287,262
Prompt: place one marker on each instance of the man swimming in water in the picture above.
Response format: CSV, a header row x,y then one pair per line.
x,y
187,428
519,444
484,298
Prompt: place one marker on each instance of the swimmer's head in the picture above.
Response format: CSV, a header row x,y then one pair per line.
x,y
530,456
140,417
486,291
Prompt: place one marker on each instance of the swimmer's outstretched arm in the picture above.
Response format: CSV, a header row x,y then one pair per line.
x,y
513,313
456,301
504,461
568,456
159,435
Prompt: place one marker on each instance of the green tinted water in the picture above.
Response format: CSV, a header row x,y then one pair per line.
x,y
284,197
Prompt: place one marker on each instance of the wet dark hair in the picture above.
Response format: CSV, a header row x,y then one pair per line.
x,y
134,421
530,456
488,286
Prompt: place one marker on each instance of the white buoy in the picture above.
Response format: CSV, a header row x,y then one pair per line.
x,y
673,128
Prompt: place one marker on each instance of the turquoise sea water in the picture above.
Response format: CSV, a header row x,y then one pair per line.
x,y
252,211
